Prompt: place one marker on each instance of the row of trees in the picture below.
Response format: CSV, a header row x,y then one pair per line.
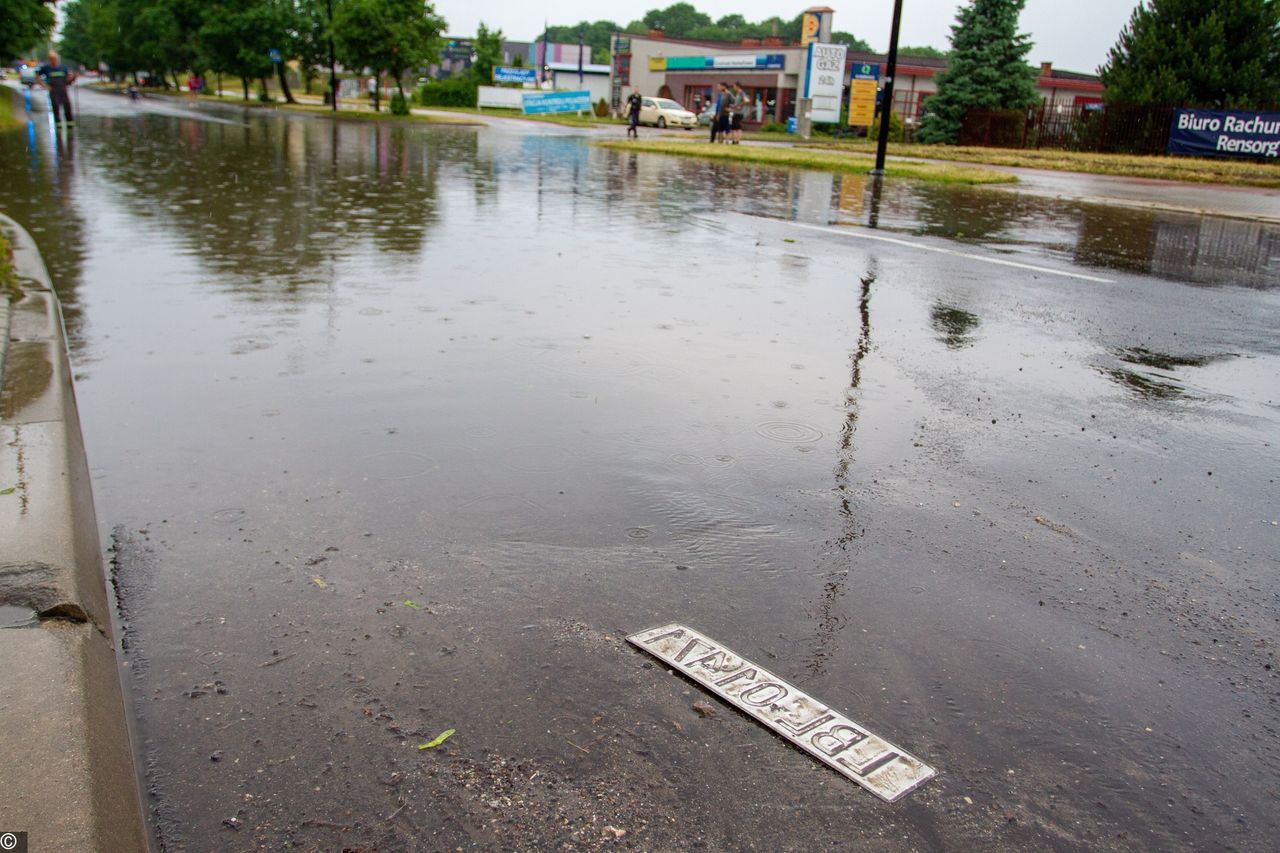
x,y
1214,53
683,20
252,39
24,23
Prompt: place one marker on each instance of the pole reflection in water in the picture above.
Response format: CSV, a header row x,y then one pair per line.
x,y
829,620
877,187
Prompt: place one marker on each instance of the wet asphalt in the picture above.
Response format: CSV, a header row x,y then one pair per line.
x,y
401,429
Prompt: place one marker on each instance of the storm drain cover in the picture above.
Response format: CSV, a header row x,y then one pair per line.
x,y
885,770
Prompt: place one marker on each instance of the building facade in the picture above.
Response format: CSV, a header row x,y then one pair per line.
x,y
688,71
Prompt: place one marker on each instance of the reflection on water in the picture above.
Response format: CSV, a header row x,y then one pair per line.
x,y
954,326
37,171
1176,246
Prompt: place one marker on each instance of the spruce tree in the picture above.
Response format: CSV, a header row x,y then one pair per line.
x,y
988,68
1211,53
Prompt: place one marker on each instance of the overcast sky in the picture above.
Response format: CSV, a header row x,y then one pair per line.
x,y
1072,35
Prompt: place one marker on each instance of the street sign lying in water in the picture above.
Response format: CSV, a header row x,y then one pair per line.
x,y
877,765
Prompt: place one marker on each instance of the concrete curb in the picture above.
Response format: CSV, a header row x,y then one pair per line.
x,y
70,779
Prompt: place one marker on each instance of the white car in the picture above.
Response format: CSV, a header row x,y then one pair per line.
x,y
664,112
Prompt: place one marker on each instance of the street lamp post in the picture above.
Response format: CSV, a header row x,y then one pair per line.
x,y
333,63
886,102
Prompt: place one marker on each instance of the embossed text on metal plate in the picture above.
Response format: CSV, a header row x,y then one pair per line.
x,y
877,765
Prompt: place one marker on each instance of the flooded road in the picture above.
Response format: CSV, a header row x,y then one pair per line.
x,y
401,429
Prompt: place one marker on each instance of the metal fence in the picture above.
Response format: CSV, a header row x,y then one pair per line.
x,y
1117,129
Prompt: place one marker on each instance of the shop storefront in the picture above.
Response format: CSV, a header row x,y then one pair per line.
x,y
690,72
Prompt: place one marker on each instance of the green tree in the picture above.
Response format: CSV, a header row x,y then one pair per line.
x,y
677,20
1220,53
311,41
988,68
23,25
488,53
238,36
924,50
850,40
76,42
391,35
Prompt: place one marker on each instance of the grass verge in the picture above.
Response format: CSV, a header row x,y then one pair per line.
x,y
353,114
804,158
1191,169
566,119
8,277
8,103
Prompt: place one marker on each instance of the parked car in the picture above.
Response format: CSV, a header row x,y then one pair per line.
x,y
664,112
707,114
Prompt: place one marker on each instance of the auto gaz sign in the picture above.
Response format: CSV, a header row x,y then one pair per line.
x,y
824,81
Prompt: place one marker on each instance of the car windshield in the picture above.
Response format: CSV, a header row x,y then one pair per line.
x,y
666,104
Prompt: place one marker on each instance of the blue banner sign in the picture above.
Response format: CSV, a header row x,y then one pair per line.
x,y
556,102
511,74
738,61
1225,134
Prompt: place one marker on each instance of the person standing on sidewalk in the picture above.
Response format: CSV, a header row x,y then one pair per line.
x,y
633,114
57,78
715,114
739,110
724,108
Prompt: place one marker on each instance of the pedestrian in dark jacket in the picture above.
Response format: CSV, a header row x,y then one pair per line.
x,y
57,78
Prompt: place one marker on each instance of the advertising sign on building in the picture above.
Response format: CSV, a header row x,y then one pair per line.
x,y
1225,133
810,28
538,103
824,81
511,74
740,61
864,80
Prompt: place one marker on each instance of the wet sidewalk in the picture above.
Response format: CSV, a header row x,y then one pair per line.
x,y
1240,202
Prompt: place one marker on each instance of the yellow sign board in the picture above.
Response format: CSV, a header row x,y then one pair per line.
x,y
862,102
810,24
657,63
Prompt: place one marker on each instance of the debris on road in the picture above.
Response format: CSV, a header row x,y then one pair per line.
x,y
882,768
439,739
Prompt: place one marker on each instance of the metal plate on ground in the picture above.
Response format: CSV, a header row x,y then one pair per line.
x,y
877,765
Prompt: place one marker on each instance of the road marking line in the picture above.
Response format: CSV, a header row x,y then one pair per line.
x,y
943,251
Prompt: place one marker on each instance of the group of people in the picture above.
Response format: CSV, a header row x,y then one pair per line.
x,y
731,104
730,108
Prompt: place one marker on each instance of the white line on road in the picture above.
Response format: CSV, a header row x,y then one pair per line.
x,y
861,235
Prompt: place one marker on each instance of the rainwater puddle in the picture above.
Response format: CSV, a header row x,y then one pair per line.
x,y
398,429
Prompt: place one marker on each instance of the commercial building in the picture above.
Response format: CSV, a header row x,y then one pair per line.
x,y
688,70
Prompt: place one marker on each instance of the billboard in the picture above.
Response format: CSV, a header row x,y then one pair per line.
x,y
1225,133
497,96
824,81
541,103
511,74
864,80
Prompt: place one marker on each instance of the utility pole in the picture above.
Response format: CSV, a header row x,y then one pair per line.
x,y
333,63
886,101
